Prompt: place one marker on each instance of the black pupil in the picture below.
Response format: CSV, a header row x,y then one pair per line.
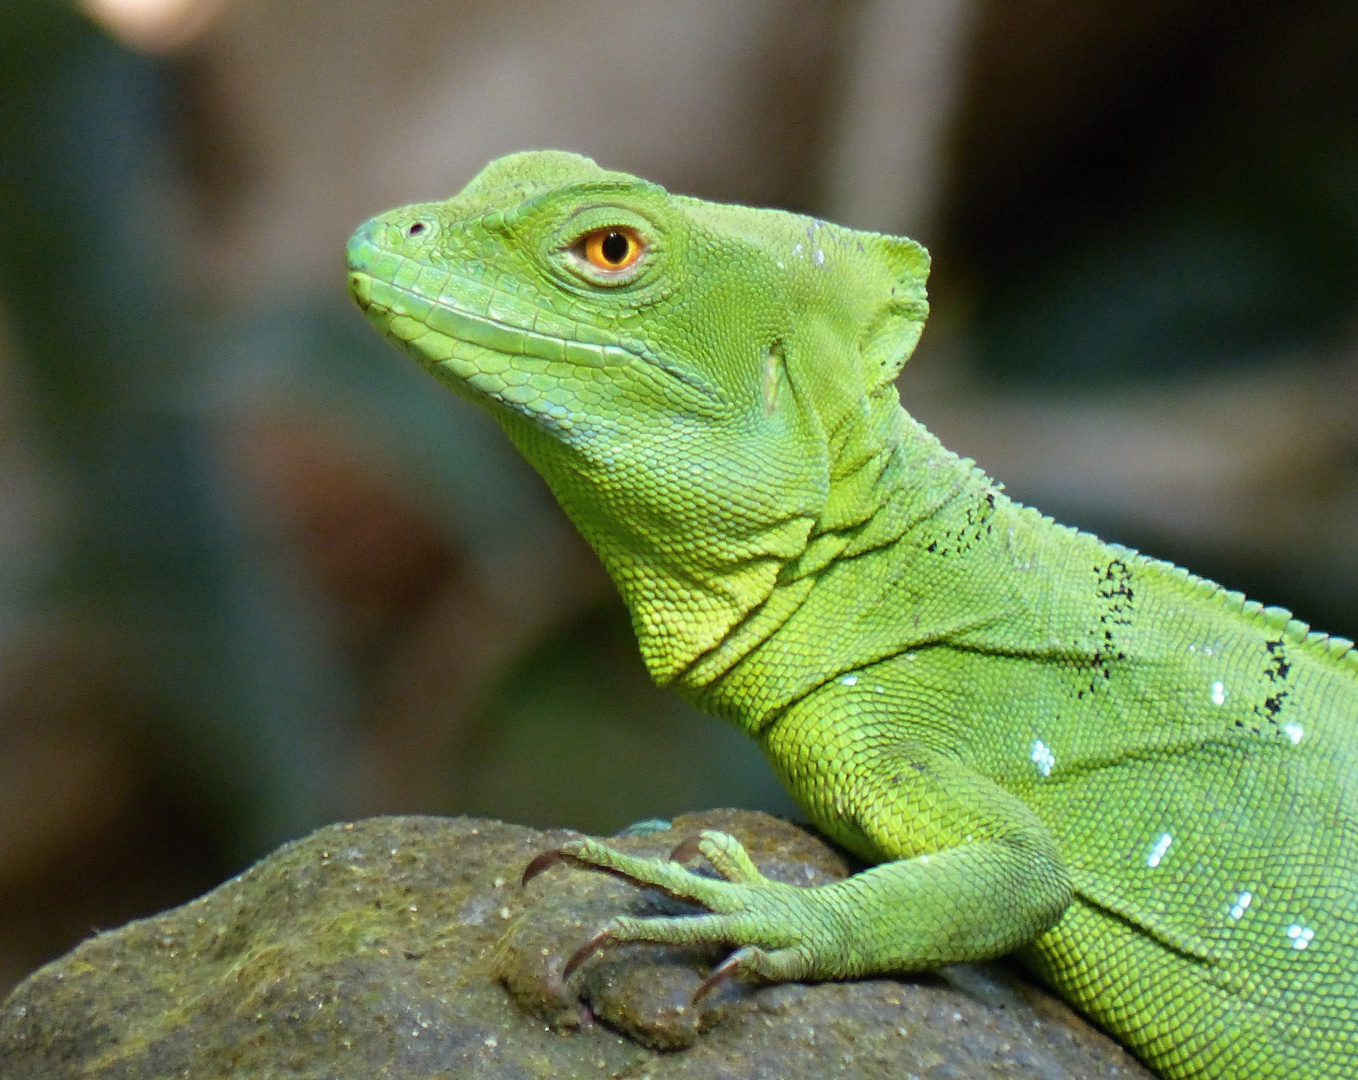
x,y
615,247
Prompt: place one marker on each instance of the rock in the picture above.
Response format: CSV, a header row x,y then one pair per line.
x,y
406,948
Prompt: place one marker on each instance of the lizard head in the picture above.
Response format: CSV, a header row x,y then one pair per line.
x,y
694,381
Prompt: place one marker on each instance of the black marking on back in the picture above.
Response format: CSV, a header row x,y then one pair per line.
x,y
1277,667
1114,591
975,526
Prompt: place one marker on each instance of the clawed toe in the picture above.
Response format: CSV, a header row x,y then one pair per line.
x,y
575,851
542,862
588,949
719,974
727,969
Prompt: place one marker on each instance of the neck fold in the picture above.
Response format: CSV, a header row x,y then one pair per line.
x,y
852,579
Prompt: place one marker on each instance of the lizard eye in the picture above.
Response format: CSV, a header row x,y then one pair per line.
x,y
612,250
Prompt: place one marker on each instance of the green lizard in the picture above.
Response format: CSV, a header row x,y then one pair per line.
x,y
1145,785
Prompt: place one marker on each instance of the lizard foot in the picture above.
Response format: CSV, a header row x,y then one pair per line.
x,y
781,932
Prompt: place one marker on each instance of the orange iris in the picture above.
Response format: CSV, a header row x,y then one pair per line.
x,y
612,249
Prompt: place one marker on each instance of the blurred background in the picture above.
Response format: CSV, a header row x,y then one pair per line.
x,y
258,573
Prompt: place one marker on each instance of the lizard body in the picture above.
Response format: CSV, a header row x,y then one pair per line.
x,y
1144,784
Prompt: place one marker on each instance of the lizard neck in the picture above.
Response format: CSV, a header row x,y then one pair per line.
x,y
866,576
702,580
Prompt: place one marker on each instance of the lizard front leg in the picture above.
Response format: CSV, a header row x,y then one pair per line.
x,y
969,873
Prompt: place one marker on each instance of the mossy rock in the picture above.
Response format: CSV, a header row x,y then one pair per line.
x,y
406,948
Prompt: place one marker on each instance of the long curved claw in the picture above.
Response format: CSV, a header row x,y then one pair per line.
x,y
719,974
588,949
542,862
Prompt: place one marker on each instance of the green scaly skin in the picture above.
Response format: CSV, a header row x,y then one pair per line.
x,y
1145,784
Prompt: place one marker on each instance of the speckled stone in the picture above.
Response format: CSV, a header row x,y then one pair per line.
x,y
406,948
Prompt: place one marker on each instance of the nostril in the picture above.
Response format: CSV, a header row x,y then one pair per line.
x,y
415,228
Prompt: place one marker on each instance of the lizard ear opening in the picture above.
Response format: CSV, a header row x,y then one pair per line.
x,y
894,328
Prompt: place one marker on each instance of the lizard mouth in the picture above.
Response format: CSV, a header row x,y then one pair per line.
x,y
478,355
402,306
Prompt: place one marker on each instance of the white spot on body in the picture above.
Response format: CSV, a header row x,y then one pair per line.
x,y
797,251
1218,693
849,680
819,257
1294,732
1241,905
1043,757
1300,936
1159,850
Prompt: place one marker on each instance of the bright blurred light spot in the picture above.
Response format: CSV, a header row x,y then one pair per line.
x,y
153,25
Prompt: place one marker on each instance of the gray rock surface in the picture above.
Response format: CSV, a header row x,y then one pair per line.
x,y
406,948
